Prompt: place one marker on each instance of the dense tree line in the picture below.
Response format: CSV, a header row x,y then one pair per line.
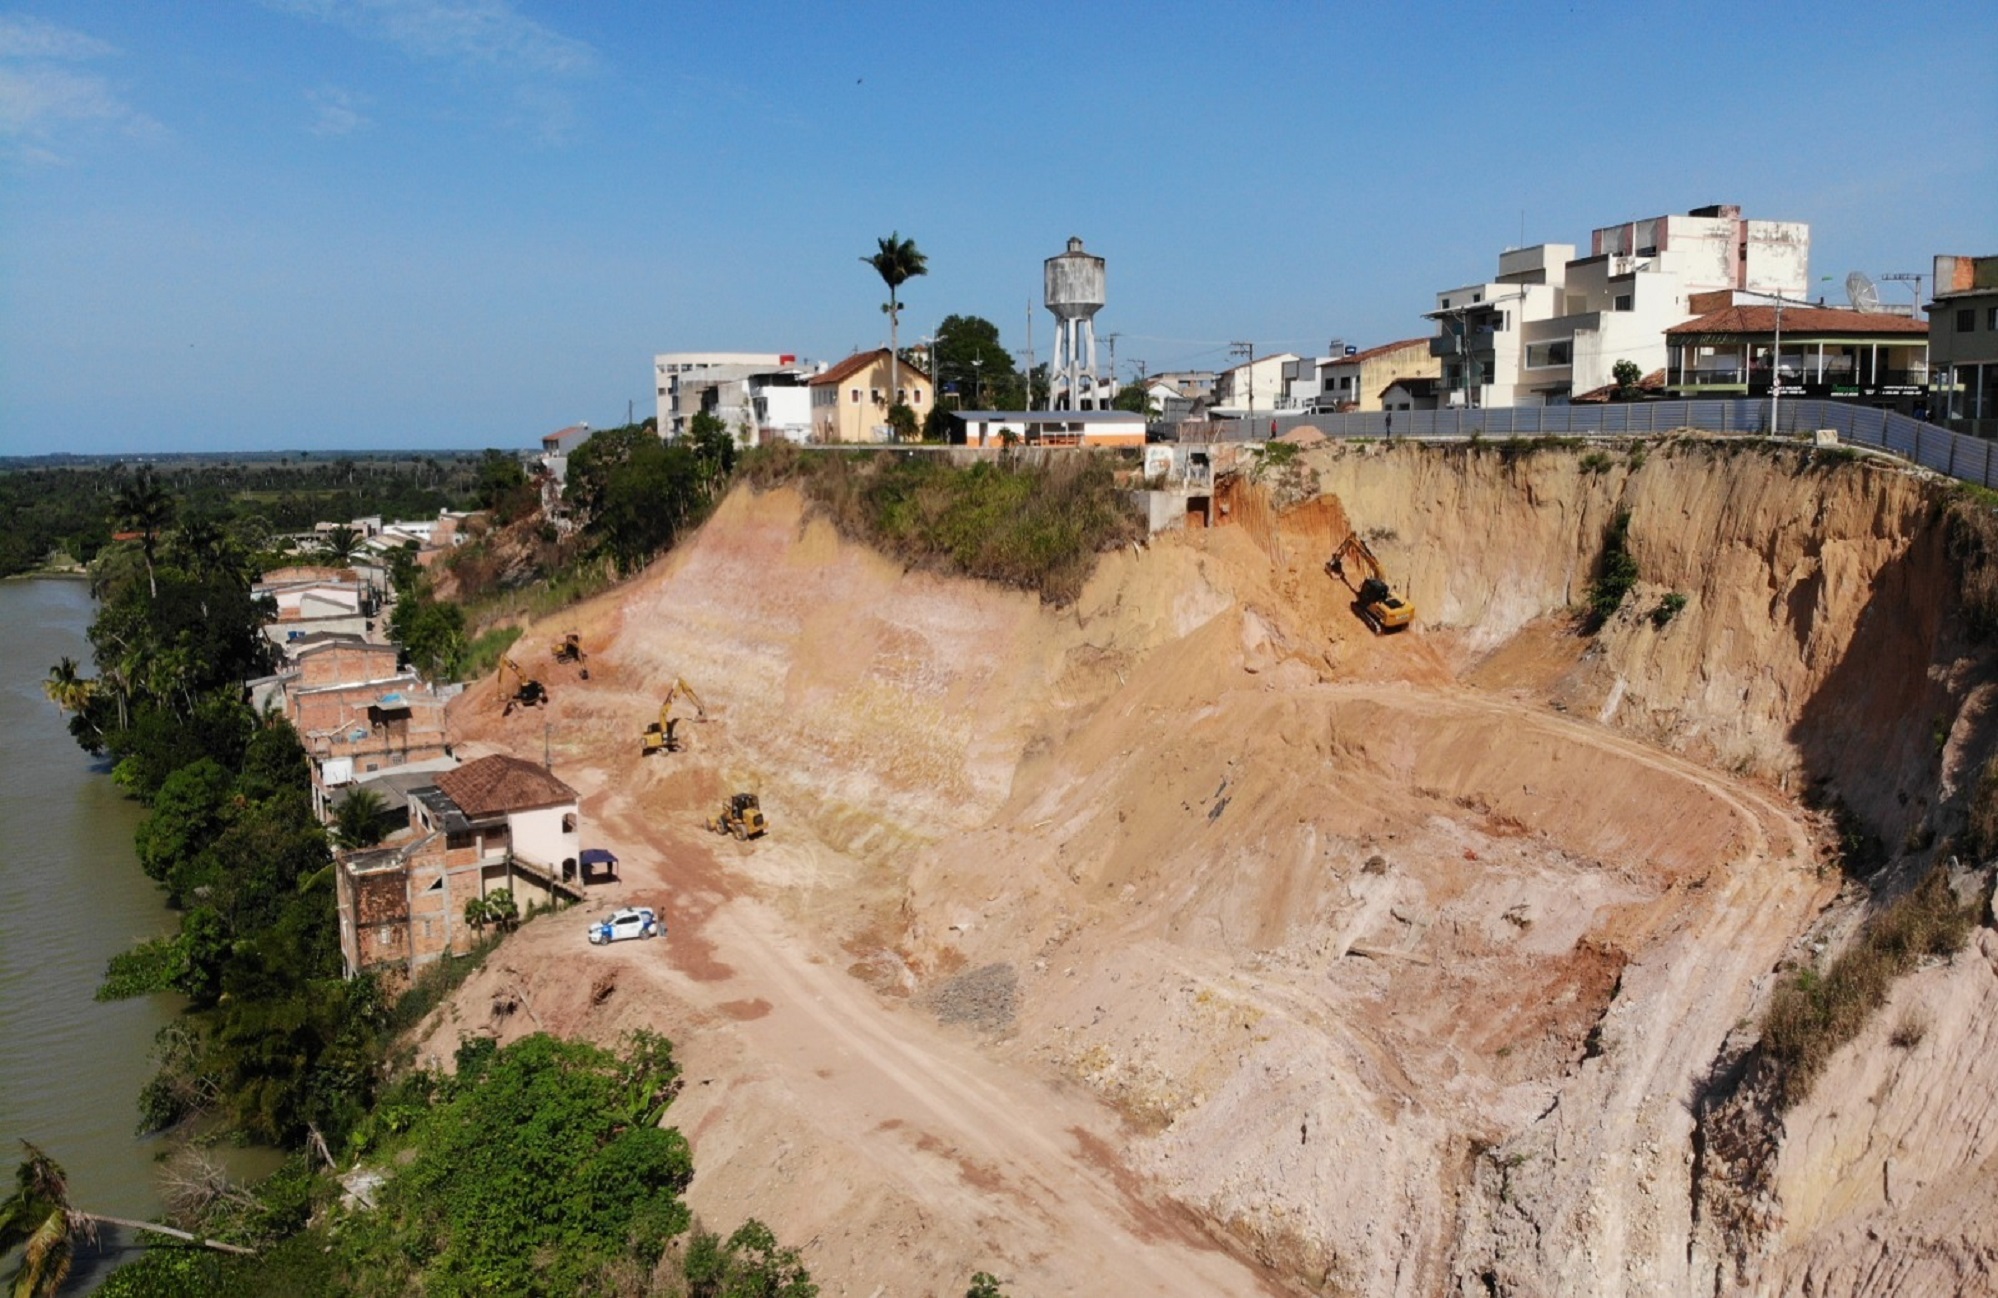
x,y
539,1168
280,1047
71,509
637,494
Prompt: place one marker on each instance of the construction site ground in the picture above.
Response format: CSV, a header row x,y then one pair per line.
x,y
1195,940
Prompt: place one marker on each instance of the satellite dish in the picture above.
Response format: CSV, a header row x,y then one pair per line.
x,y
1864,296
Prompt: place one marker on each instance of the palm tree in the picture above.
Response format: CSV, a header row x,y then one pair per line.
x,y
361,820
144,506
39,1220
897,262
339,544
65,688
36,1220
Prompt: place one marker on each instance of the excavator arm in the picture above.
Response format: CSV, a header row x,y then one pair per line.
x,y
1378,603
663,734
517,688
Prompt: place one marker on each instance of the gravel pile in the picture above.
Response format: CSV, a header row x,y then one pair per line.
x,y
982,998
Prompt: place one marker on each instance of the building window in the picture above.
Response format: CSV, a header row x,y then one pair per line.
x,y
1623,302
856,396
1966,320
1477,297
569,823
1991,318
1540,356
876,392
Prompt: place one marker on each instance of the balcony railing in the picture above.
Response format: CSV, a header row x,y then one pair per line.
x,y
1803,383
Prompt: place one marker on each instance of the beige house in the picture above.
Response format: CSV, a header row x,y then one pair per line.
x,y
850,401
1357,382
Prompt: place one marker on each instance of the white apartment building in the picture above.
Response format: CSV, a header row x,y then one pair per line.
x,y
1552,324
689,382
1257,384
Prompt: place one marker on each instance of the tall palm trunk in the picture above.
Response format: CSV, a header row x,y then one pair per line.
x,y
894,350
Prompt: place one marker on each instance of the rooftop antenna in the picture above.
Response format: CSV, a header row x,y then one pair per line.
x,y
1863,295
1911,278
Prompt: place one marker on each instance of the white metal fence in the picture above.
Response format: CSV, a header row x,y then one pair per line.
x,y
1970,459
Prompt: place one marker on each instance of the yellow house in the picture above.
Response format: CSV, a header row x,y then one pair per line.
x,y
850,401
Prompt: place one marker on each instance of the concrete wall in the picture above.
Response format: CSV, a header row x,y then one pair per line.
x,y
548,836
342,663
785,412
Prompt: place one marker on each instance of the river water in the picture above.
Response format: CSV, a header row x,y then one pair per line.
x,y
71,896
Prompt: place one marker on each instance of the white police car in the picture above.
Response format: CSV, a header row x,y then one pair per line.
x,y
632,921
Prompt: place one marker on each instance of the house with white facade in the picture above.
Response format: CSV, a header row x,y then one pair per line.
x,y
728,385
1256,385
780,404
1551,324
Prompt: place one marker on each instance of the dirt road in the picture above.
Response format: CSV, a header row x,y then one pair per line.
x,y
900,1154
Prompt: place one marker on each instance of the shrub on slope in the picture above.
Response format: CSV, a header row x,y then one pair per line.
x,y
1037,527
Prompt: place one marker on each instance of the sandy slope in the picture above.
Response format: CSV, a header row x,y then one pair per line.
x,y
1334,964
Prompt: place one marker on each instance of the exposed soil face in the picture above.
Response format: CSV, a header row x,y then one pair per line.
x,y
1194,940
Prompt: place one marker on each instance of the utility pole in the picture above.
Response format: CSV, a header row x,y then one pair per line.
x,y
1030,354
1113,369
1248,350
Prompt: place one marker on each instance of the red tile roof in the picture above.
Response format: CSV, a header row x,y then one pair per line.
x,y
1800,320
499,784
859,361
1381,350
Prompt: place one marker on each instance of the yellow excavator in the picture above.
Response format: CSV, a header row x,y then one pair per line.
x,y
517,689
571,651
1377,604
664,734
741,816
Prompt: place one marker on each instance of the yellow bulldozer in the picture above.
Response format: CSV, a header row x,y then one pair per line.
x,y
740,816
664,734
517,689
1375,600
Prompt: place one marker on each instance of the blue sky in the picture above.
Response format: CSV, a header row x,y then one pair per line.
x,y
277,224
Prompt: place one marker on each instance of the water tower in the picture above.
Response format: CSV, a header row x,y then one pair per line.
x,y
1075,284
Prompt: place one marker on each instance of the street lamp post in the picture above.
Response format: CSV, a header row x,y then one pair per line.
x,y
977,373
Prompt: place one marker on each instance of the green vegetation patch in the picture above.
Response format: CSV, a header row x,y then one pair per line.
x,y
1813,1014
483,654
1033,526
1970,533
1616,573
156,966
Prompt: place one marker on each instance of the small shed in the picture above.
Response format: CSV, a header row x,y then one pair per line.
x,y
601,857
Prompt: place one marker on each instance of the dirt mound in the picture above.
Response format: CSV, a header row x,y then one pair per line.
x,y
1266,950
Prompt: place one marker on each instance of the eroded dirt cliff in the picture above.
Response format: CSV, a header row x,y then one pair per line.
x,y
1193,939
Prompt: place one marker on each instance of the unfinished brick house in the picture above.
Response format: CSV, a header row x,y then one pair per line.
x,y
355,711
498,822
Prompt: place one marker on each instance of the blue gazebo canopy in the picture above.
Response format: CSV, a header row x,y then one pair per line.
x,y
598,856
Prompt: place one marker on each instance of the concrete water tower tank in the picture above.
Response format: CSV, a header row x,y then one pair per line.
x,y
1075,284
